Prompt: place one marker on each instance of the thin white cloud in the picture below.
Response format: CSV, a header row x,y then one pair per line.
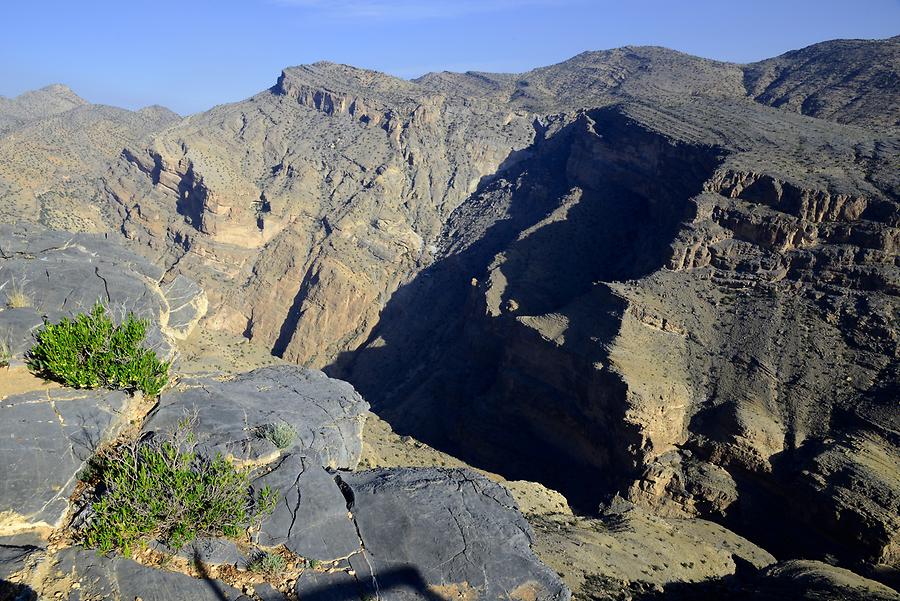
x,y
412,10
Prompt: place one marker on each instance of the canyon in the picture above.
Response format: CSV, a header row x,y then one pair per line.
x,y
638,278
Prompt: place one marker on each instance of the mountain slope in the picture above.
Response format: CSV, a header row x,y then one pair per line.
x,y
37,104
848,81
52,159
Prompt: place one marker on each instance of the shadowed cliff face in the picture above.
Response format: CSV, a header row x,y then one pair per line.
x,y
498,352
638,313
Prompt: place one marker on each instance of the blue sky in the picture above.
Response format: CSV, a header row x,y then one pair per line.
x,y
192,54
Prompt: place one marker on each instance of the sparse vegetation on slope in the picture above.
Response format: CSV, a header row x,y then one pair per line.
x,y
5,353
166,490
89,350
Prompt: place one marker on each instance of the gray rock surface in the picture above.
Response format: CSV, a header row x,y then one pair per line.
x,y
336,586
62,274
311,517
429,532
327,415
18,552
187,304
100,577
45,439
210,551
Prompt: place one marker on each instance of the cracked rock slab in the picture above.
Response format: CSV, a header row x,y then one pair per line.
x,y
436,533
311,517
327,415
45,439
18,551
100,577
63,274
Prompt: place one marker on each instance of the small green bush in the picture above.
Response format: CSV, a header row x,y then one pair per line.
x,y
281,435
267,563
160,490
89,350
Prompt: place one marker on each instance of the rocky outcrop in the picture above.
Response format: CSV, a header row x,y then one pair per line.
x,y
48,274
81,573
47,438
231,417
383,533
483,550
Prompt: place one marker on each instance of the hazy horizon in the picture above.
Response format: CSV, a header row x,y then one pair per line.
x,y
192,57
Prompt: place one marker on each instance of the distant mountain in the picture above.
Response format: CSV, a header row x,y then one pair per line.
x,y
848,81
54,149
47,101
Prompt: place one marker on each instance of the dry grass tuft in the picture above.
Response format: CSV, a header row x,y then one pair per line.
x,y
16,297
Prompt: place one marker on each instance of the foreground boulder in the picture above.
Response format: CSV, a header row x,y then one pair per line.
x,y
395,534
436,534
311,516
46,437
326,416
81,574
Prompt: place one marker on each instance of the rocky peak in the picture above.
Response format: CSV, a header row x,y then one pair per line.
x,y
332,87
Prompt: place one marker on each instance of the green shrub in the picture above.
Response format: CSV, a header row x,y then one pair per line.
x,y
281,435
167,491
267,563
89,350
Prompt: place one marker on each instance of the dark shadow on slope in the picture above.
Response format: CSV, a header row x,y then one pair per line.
x,y
286,333
16,592
405,579
204,575
604,198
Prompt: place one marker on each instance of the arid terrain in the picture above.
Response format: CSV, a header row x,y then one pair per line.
x,y
648,300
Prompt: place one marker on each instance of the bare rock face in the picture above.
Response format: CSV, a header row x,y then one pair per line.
x,y
46,274
47,437
233,416
48,434
308,235
437,534
82,573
